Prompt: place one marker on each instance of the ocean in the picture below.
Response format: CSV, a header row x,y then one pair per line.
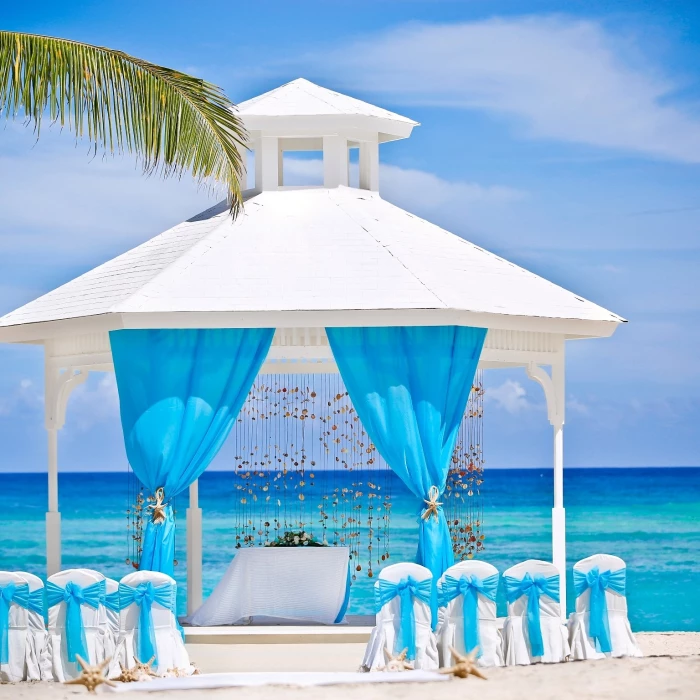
x,y
649,517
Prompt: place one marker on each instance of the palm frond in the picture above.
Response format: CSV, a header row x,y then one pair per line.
x,y
171,121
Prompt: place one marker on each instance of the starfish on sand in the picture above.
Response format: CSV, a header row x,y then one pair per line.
x,y
141,669
464,666
127,675
91,676
396,662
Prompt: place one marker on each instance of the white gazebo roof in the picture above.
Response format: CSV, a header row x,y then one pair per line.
x,y
310,257
315,110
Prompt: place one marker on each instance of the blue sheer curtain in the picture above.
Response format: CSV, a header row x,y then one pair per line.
x,y
180,391
410,386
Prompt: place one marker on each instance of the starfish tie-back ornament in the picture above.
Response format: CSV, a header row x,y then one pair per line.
x,y
158,508
464,666
91,676
431,503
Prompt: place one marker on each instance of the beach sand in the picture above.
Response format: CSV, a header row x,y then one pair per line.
x,y
671,669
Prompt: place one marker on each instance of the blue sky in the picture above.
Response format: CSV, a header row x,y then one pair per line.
x,y
563,136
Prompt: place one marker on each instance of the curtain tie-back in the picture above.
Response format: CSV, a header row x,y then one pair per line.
x,y
533,588
469,587
598,583
11,592
407,589
158,507
74,596
144,595
432,505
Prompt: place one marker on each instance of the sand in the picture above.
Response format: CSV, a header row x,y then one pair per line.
x,y
671,669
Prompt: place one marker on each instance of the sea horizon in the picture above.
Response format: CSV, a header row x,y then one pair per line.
x,y
127,470
648,516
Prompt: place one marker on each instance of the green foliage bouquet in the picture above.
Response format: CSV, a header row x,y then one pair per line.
x,y
296,539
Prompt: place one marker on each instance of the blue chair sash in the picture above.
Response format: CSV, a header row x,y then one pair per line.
x,y
469,587
533,588
111,601
11,592
36,602
74,596
144,595
598,583
407,589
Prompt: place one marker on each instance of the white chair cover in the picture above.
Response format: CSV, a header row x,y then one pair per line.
x,y
388,623
38,659
516,641
110,630
450,632
94,622
622,640
170,648
18,637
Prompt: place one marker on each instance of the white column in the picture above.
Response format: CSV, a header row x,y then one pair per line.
x,y
335,161
268,162
554,391
58,386
194,550
369,165
280,167
558,511
53,517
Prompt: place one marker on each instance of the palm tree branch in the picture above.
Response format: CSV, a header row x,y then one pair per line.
x,y
170,120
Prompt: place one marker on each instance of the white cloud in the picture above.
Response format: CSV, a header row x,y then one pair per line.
x,y
411,188
510,396
559,77
22,399
93,403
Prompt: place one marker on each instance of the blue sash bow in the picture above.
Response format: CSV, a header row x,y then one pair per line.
x,y
598,623
469,587
11,592
407,589
144,595
533,589
74,596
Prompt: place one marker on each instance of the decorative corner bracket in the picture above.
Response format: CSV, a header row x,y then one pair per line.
x,y
555,405
59,386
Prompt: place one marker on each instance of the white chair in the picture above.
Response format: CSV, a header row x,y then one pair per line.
x,y
404,618
467,593
600,626
533,631
147,599
38,660
14,635
76,620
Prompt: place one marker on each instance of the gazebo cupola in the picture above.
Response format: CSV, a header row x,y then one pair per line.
x,y
302,116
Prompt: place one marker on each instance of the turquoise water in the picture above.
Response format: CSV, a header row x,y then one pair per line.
x,y
649,517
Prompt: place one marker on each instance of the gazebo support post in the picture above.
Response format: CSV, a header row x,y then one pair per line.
x,y
53,516
555,394
58,387
194,550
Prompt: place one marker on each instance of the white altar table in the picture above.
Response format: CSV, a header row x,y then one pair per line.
x,y
279,584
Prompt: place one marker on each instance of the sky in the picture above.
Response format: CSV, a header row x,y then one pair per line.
x,y
563,136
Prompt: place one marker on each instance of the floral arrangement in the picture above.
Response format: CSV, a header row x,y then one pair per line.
x,y
296,539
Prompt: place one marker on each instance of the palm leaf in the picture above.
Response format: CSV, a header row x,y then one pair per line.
x,y
171,121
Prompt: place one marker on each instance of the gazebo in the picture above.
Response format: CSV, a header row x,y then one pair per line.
x,y
301,260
